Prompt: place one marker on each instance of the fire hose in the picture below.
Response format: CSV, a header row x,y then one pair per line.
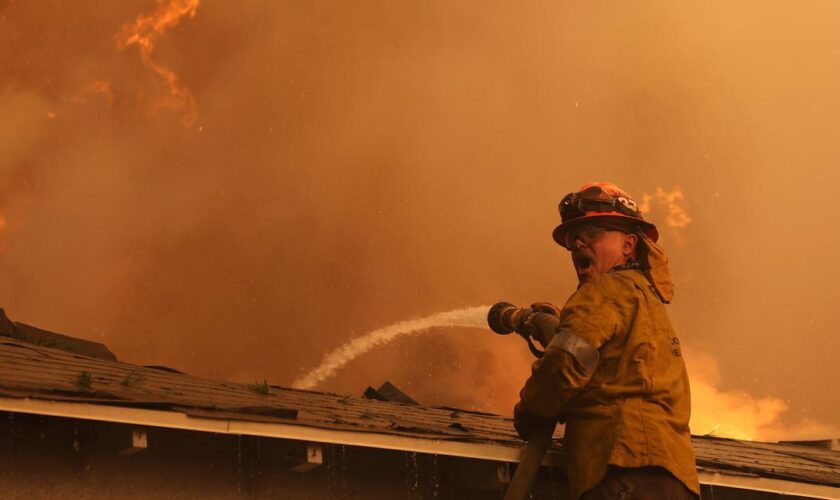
x,y
505,318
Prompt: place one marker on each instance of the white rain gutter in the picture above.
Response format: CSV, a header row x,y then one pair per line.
x,y
482,451
777,486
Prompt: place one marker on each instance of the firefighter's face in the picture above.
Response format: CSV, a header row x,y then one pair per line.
x,y
595,250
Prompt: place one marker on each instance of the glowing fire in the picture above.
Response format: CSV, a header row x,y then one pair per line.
x,y
673,201
739,415
144,33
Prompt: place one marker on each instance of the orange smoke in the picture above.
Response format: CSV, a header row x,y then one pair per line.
x,y
3,224
144,32
673,201
99,87
382,154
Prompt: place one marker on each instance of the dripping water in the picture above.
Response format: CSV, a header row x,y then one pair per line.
x,y
239,484
343,460
435,479
416,469
76,445
412,475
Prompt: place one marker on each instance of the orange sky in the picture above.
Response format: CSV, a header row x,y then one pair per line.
x,y
335,169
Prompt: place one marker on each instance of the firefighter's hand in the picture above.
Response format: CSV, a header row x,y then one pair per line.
x,y
540,326
546,307
528,425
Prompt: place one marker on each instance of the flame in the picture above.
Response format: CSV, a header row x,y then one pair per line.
x,y
673,201
739,415
144,33
730,414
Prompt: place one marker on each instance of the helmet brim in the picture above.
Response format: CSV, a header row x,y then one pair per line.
x,y
632,223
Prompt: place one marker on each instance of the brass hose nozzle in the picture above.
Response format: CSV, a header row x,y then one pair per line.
x,y
504,317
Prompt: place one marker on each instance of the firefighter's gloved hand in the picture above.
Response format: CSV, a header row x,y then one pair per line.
x,y
546,307
541,326
528,425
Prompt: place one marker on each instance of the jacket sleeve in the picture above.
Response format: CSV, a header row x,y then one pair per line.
x,y
600,309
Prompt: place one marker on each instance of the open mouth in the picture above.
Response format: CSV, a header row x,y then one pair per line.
x,y
581,261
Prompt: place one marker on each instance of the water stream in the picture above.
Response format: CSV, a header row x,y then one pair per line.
x,y
333,360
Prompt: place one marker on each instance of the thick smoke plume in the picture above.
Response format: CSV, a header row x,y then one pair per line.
x,y
349,166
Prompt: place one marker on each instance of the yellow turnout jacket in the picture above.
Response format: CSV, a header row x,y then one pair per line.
x,y
629,403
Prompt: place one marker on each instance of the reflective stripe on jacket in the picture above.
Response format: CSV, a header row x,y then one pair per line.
x,y
614,372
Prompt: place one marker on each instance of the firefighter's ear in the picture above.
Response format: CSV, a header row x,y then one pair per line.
x,y
631,241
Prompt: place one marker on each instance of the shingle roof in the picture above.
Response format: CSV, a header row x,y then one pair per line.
x,y
43,373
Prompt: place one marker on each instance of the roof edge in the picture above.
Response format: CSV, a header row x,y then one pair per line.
x,y
482,451
299,432
769,485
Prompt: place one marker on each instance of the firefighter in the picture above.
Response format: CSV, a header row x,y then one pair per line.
x,y
613,369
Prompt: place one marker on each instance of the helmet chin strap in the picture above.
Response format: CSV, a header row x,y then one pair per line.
x,y
618,265
626,262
